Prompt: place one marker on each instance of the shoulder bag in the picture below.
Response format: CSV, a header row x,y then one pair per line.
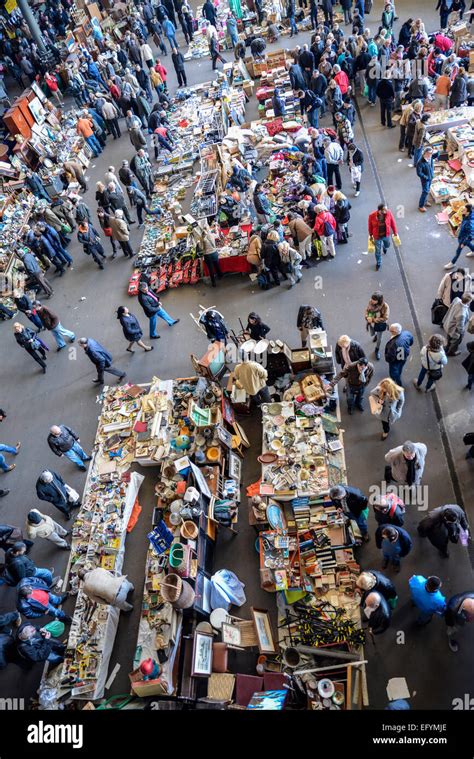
x,y
436,373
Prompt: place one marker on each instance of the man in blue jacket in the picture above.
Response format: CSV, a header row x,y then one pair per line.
x,y
34,270
395,543
36,600
397,351
101,358
425,170
427,597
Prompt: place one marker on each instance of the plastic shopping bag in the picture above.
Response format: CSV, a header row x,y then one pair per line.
x,y
396,241
226,590
370,245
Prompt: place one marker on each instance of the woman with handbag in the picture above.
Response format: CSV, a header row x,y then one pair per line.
x,y
104,221
433,358
376,315
131,330
28,340
386,402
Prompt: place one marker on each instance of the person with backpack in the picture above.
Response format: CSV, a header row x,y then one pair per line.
x,y
465,236
376,316
18,566
389,509
342,215
325,228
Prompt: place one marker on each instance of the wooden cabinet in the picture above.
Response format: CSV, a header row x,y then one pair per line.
x,y
16,123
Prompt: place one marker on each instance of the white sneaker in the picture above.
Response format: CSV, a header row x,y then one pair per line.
x,y
356,194
470,254
449,266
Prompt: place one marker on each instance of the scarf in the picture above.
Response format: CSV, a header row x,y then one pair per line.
x,y
411,471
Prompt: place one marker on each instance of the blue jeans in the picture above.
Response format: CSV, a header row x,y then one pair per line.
x,y
395,369
425,188
63,255
417,155
172,40
424,617
60,333
355,396
293,27
234,38
461,245
44,574
7,449
76,455
383,243
94,144
34,318
371,87
313,117
421,377
361,523
163,315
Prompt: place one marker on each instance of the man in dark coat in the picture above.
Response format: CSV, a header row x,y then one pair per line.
x,y
101,358
345,347
385,91
209,12
443,525
389,509
459,611
51,487
353,502
18,566
178,63
376,609
35,644
296,75
372,580
397,351
8,622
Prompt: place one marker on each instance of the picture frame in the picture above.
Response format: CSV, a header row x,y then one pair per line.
x,y
235,466
202,655
263,629
231,635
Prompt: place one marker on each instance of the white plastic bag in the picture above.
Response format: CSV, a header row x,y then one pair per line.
x,y
226,590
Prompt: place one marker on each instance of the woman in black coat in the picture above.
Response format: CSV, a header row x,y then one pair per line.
x,y
28,340
443,525
458,93
131,329
256,328
271,257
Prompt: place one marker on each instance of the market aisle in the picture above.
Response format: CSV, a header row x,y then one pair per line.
x,y
66,394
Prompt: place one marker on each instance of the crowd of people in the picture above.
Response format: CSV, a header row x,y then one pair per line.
x,y
125,90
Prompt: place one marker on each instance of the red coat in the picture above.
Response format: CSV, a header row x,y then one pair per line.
x,y
319,222
343,81
390,226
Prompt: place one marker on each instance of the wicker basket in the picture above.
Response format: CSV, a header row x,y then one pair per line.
x,y
221,687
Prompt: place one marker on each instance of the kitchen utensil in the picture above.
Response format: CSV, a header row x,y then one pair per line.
x,y
213,454
326,688
267,458
248,346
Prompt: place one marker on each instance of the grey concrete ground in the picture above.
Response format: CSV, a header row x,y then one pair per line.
x,y
66,394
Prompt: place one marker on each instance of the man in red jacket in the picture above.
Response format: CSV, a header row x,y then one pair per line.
x,y
381,226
